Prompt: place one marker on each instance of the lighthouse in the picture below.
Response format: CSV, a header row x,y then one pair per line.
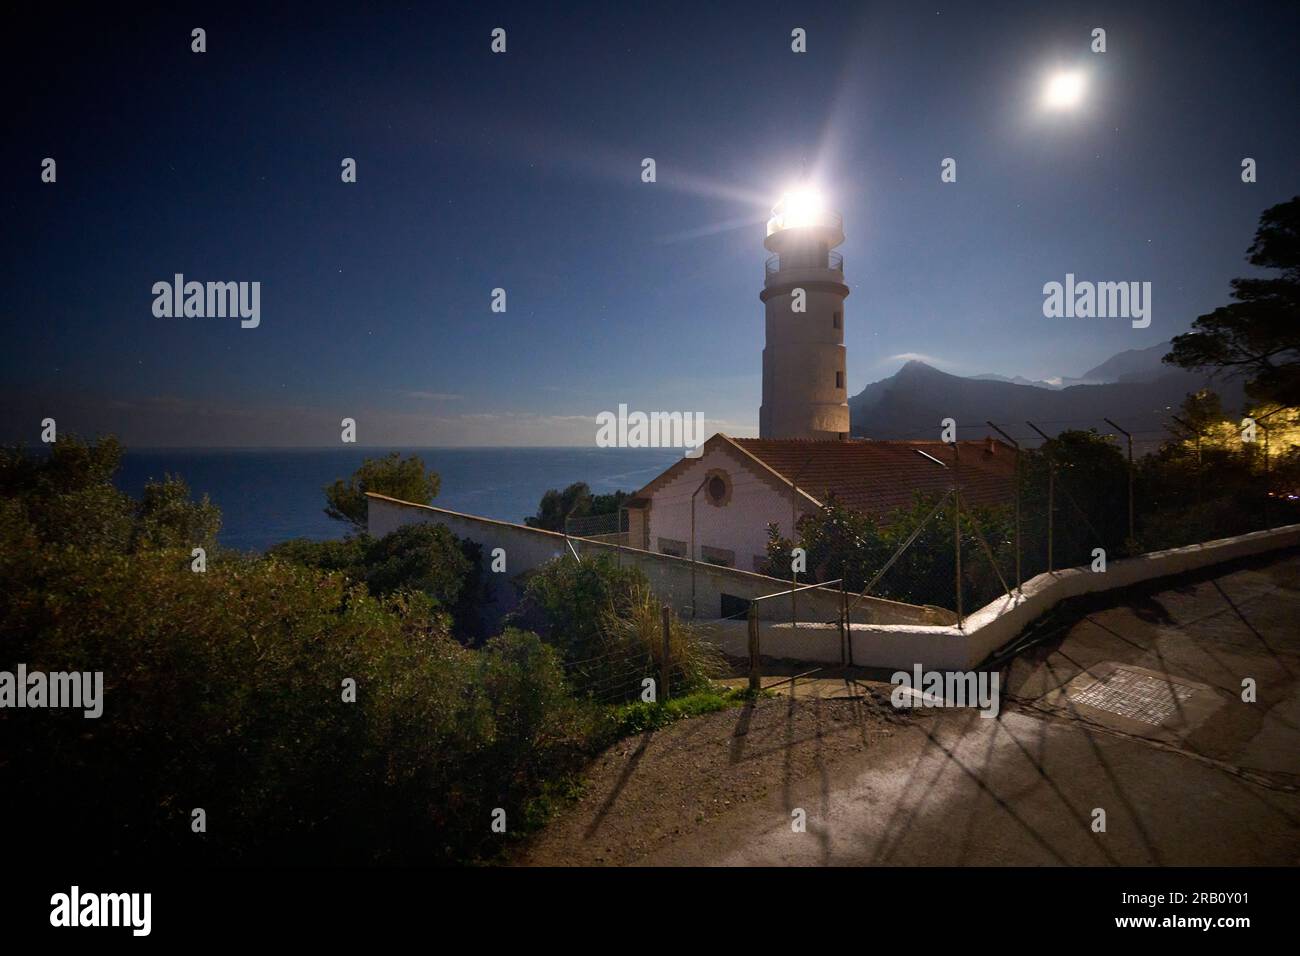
x,y
805,388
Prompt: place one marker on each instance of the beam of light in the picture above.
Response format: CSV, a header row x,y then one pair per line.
x,y
714,229
1064,90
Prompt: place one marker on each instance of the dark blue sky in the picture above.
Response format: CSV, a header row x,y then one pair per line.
x,y
523,171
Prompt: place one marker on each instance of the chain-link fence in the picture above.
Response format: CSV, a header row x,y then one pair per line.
x,y
1076,498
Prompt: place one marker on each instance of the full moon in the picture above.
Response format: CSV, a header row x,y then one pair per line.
x,y
1064,90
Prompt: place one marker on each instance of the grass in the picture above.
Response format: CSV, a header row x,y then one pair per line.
x,y
640,716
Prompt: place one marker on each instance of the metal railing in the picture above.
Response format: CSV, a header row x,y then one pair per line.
x,y
834,263
825,219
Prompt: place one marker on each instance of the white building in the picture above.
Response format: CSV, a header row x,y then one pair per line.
x,y
724,500
805,386
738,486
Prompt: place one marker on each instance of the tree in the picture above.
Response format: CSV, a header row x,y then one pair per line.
x,y
167,518
575,501
424,558
403,478
1259,334
66,498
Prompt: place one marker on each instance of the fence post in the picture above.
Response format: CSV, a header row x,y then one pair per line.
x,y
847,624
1268,489
956,522
1051,500
843,658
755,679
664,662
1019,478
1132,527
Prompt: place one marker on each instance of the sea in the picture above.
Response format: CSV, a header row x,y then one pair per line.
x,y
271,495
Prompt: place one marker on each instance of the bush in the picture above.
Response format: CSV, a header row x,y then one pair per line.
x,y
422,558
636,631
223,690
566,601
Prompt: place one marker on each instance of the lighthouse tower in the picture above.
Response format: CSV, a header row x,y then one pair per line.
x,y
804,383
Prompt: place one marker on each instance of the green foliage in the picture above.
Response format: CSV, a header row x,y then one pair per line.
x,y
421,557
1259,334
347,555
565,602
634,630
608,626
167,518
424,558
66,498
403,478
845,544
224,691
575,501
1089,499
639,717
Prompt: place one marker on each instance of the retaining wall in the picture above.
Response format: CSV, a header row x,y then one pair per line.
x,y
670,577
901,646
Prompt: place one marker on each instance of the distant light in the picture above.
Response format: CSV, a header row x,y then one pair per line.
x,y
1064,90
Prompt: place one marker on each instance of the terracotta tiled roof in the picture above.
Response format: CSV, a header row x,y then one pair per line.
x,y
878,476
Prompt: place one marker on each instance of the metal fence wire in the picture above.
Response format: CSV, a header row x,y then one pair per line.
x,y
1078,499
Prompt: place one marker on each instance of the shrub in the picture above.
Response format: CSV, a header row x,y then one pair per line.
x,y
565,602
636,631
223,690
425,558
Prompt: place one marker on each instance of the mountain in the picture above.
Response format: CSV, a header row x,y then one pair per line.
x,y
912,402
1135,365
1014,380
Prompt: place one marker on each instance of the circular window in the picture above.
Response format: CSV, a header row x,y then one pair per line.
x,y
718,487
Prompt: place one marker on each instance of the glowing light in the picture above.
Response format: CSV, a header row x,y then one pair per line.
x,y
1064,90
800,207
803,207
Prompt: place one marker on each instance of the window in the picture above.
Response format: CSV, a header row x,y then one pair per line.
x,y
733,606
719,556
839,320
717,487
673,547
839,379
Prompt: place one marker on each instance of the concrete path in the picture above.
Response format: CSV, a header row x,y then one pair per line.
x,y
1133,708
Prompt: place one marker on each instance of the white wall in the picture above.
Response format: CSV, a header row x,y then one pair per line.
x,y
739,526
670,578
902,646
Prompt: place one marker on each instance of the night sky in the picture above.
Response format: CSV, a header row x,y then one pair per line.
x,y
523,171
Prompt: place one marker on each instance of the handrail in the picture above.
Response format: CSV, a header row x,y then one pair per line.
x,y
834,263
818,584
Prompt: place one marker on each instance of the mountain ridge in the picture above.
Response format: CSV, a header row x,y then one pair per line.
x,y
913,401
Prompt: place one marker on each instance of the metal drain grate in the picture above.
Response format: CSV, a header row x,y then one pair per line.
x,y
1136,696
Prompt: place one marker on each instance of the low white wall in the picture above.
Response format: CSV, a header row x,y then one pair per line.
x,y
528,548
901,646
